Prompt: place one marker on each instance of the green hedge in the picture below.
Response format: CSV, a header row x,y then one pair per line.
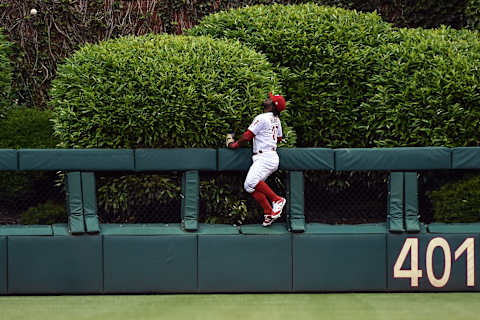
x,y
25,128
472,13
45,213
457,201
5,75
355,81
158,91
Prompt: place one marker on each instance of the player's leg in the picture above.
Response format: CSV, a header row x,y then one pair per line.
x,y
269,165
253,177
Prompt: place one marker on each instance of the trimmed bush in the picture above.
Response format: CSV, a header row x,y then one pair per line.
x,y
355,81
5,75
158,91
25,128
472,13
457,201
45,213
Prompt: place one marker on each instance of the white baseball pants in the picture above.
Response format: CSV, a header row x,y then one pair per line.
x,y
264,164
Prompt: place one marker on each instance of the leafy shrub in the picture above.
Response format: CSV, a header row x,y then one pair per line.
x,y
457,201
472,13
27,128
5,75
24,128
45,213
355,81
157,91
424,91
122,197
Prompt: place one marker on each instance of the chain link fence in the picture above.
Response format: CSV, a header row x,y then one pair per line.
x,y
330,197
125,197
31,198
223,198
346,197
449,196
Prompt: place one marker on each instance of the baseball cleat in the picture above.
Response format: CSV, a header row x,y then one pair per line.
x,y
277,207
269,219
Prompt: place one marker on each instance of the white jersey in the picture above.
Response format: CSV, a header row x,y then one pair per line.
x,y
267,128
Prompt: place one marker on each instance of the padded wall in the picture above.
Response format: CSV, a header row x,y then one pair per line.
x,y
392,158
8,159
3,265
164,263
54,265
76,159
239,263
175,159
339,262
466,158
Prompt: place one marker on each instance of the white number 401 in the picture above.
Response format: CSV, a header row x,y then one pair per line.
x,y
414,273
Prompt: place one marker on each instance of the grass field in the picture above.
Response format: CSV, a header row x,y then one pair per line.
x,y
351,306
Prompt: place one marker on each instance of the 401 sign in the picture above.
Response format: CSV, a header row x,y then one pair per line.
x,y
434,263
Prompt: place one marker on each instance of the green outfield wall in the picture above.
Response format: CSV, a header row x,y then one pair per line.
x,y
86,257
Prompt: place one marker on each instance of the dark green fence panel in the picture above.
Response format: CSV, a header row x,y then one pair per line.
x,y
395,202
190,200
76,159
239,263
466,158
89,195
76,223
8,159
462,228
306,159
54,265
339,262
147,229
3,265
296,201
175,159
25,230
442,262
234,160
412,224
393,158
150,263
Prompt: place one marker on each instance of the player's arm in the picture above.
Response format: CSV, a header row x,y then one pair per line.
x,y
244,139
280,132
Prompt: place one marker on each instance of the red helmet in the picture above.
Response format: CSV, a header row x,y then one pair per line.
x,y
278,101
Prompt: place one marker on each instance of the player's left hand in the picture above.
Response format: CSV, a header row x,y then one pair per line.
x,y
229,140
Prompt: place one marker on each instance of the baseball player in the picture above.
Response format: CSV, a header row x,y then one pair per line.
x,y
266,131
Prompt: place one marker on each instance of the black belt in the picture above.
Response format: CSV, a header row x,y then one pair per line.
x,y
260,151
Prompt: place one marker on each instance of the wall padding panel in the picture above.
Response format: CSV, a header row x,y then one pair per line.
x,y
3,265
339,262
150,263
239,263
54,265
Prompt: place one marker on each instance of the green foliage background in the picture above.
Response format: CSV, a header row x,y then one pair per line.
x,y
5,75
25,128
354,80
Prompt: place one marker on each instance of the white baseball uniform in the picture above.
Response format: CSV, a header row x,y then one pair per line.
x,y
267,128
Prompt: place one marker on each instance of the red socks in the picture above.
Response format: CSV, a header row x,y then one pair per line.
x,y
262,200
265,189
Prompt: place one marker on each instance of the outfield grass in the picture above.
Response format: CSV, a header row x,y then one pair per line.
x,y
391,306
